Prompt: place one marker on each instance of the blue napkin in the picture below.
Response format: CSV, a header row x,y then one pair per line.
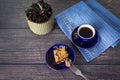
x,y
79,14
106,15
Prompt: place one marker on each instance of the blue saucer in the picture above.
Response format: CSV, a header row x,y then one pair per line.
x,y
84,44
51,61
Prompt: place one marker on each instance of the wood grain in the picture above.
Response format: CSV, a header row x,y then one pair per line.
x,y
42,72
22,46
22,53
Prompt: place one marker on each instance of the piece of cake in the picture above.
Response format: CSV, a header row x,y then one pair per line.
x,y
60,54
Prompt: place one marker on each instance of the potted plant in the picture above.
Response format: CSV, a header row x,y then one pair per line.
x,y
39,17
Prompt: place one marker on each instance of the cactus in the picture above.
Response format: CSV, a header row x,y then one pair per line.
x,y
39,12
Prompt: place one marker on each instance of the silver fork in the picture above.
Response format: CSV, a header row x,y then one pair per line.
x,y
74,69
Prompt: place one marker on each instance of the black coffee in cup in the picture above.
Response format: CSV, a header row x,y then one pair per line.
x,y
85,32
85,36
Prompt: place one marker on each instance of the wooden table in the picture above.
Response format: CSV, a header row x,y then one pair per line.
x,y
22,53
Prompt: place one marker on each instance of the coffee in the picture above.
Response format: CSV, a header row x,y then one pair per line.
x,y
86,32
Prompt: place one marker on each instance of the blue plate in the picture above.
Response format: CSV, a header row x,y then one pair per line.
x,y
51,61
84,43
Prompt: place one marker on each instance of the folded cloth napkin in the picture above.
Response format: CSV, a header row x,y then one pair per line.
x,y
79,14
106,15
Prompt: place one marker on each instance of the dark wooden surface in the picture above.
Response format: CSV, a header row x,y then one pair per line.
x,y
22,53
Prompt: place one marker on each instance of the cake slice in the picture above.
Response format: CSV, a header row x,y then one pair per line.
x,y
60,54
